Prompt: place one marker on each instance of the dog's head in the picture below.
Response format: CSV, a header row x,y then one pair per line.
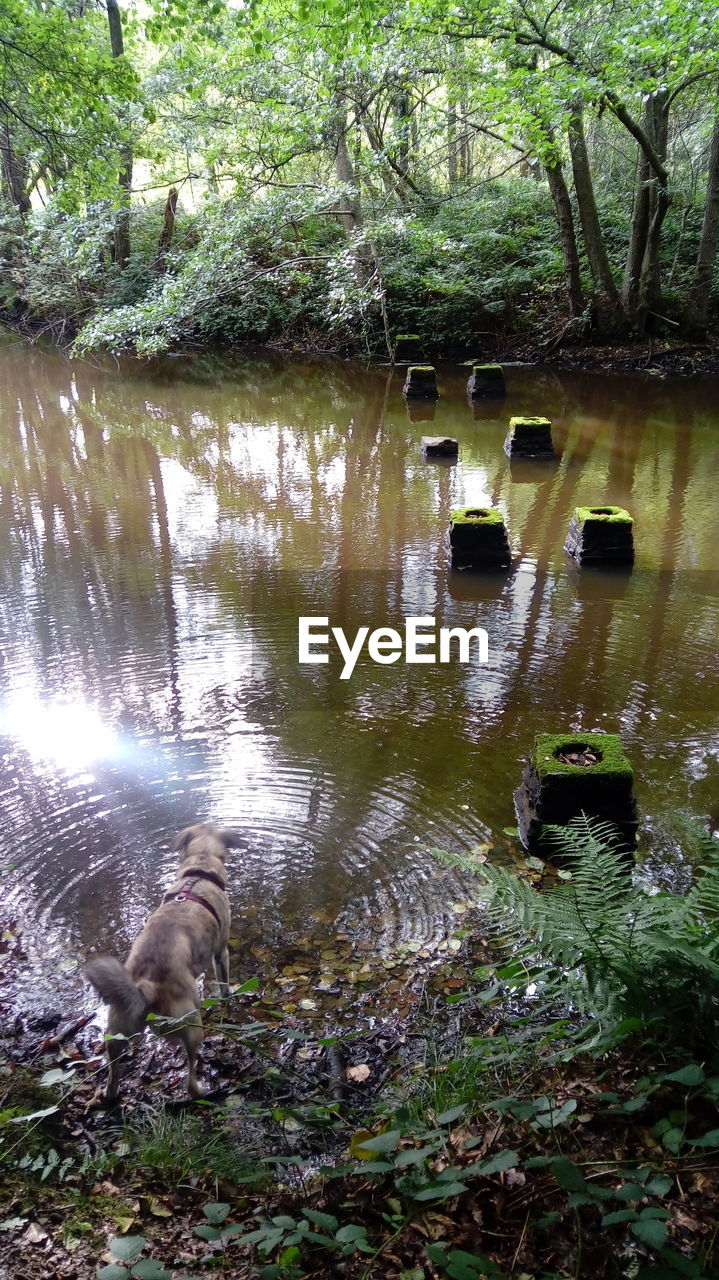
x,y
204,841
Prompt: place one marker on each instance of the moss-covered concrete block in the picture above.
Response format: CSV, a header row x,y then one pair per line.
x,y
529,438
478,539
487,382
439,447
571,774
421,382
601,535
407,347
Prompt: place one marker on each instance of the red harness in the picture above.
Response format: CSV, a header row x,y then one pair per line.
x,y
185,894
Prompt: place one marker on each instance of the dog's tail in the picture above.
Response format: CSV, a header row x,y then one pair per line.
x,y
114,984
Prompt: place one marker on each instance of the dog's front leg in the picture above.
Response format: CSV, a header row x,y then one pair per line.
x,y
191,1034
221,965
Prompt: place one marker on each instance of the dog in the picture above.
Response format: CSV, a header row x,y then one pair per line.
x,y
189,928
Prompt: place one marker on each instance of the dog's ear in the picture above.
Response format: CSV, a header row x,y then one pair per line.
x,y
182,840
231,839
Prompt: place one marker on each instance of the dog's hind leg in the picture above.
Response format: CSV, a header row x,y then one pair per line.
x,y
221,965
121,1044
191,1035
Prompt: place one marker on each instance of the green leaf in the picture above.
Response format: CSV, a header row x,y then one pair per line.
x,y
415,1155
150,1269
216,1213
659,1184
621,1215
351,1233
690,1075
506,1159
251,985
112,1272
127,1248
673,1139
710,1139
206,1232
325,1220
440,1191
32,1115
454,1113
651,1231
567,1174
388,1141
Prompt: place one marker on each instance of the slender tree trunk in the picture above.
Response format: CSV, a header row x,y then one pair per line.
x,y
13,172
567,234
168,225
121,252
452,145
641,217
650,284
609,314
402,116
696,312
465,146
350,213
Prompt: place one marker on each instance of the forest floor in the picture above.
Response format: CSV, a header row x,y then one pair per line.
x,y
489,1154
663,357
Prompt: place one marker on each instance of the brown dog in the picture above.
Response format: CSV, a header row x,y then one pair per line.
x,y
190,928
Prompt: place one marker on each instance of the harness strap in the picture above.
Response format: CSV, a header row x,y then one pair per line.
x,y
185,894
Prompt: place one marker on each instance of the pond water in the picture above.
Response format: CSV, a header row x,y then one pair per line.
x,y
161,531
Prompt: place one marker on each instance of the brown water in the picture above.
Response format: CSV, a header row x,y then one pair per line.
x,y
160,533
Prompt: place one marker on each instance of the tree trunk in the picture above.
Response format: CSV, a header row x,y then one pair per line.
x,y
121,248
641,217
609,314
650,285
349,210
696,312
168,225
452,145
567,234
402,117
13,172
465,146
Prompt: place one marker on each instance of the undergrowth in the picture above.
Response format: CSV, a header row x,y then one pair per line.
x,y
565,1127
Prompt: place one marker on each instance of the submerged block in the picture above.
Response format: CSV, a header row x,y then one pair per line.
x,y
529,438
478,539
486,382
421,410
421,382
571,774
407,346
439,447
601,535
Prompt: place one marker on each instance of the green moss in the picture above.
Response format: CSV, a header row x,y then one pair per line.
x,y
420,368
613,761
538,423
607,515
407,337
477,515
488,371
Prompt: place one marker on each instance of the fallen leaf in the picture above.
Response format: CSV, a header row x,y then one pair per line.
x,y
358,1073
35,1234
159,1208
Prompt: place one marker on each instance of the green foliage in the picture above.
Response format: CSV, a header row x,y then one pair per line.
x,y
616,950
